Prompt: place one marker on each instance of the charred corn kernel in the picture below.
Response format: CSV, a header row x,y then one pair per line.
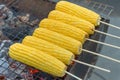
x,y
37,59
59,39
72,20
49,48
79,11
64,29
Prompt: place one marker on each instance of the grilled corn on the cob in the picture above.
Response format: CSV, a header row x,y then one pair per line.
x,y
37,59
64,29
59,39
72,20
79,11
49,48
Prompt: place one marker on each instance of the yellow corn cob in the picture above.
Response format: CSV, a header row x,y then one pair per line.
x,y
37,59
64,29
79,11
49,48
72,20
59,39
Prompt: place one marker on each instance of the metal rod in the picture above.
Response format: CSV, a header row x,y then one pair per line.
x,y
113,46
73,75
106,57
110,25
114,36
96,67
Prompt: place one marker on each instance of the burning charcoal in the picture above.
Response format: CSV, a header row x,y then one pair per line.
x,y
2,77
42,76
16,33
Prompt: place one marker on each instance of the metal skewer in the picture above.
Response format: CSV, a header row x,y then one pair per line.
x,y
73,75
113,46
110,25
96,67
106,57
114,36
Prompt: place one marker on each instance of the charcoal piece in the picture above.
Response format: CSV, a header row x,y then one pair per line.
x,y
2,77
41,75
4,45
16,33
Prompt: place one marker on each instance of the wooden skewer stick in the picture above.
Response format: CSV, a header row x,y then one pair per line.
x,y
114,36
110,25
96,67
113,46
73,75
106,57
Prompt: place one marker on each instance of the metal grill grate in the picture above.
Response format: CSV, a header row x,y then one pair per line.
x,y
14,70
100,8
